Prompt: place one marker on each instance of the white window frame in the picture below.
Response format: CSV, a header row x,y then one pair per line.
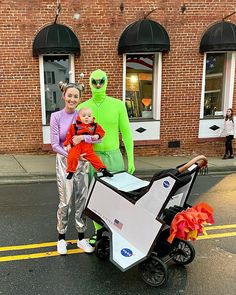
x,y
156,80
46,128
206,123
151,126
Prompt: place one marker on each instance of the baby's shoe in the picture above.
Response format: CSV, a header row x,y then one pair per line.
x,y
70,174
105,172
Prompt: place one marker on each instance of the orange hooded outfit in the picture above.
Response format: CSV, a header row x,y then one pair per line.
x,y
74,153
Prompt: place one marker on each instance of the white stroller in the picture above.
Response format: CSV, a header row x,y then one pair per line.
x,y
136,215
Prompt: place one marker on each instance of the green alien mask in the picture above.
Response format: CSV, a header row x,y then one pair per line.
x,y
98,84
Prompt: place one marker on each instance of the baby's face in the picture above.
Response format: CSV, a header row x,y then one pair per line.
x,y
86,116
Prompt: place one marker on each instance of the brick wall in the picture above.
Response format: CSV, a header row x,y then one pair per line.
x,y
98,29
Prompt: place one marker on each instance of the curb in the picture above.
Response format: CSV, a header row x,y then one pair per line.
x,y
27,179
44,178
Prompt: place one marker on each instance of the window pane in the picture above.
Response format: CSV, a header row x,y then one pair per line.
x,y
139,85
214,84
56,69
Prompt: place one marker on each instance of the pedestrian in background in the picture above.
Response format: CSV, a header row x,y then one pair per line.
x,y
59,125
228,131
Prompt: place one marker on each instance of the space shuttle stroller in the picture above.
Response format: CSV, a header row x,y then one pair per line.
x,y
136,215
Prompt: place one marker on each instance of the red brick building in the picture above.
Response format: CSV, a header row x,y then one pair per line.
x,y
172,63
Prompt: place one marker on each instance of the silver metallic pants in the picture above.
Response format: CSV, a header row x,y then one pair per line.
x,y
66,187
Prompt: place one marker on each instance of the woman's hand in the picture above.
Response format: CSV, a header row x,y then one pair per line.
x,y
68,147
95,137
77,139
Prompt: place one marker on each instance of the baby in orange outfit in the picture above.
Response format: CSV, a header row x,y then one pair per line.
x,y
84,125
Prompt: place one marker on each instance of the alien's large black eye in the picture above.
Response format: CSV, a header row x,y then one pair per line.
x,y
94,82
102,81
98,81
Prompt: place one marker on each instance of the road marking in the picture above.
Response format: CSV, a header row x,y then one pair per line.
x,y
215,236
33,246
207,236
79,251
213,227
38,255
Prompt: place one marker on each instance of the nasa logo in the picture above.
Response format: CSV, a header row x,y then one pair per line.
x,y
166,184
126,252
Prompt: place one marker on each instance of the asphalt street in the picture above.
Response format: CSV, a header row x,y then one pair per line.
x,y
28,218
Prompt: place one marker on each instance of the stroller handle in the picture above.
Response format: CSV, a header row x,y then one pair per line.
x,y
200,160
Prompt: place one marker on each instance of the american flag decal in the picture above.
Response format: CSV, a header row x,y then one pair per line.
x,y
118,224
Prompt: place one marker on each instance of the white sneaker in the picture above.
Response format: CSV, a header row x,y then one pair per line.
x,y
84,245
61,247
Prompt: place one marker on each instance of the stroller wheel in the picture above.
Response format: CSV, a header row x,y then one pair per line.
x,y
183,252
102,249
153,271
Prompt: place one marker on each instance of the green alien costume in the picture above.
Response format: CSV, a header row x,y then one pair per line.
x,y
111,114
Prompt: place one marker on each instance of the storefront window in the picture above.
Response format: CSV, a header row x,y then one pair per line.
x,y
214,84
56,69
217,91
139,85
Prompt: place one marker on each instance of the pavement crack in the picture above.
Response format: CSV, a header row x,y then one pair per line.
x,y
19,163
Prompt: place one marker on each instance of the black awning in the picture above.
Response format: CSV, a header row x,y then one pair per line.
x,y
219,37
54,39
144,35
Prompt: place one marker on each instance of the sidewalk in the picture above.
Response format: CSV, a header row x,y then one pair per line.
x,y
41,168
